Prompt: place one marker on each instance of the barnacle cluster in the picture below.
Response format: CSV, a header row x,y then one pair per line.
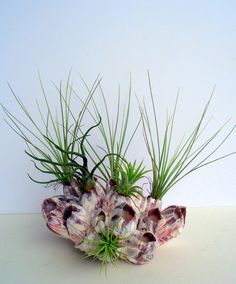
x,y
108,225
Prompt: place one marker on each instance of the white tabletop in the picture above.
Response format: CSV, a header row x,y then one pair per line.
x,y
205,252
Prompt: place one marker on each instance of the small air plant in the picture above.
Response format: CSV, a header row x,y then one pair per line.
x,y
168,169
114,134
103,210
128,176
54,147
106,246
79,171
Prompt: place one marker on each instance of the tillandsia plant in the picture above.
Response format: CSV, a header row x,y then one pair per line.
x,y
103,209
106,247
169,169
115,142
128,174
54,148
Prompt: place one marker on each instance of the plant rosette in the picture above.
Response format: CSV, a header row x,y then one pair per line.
x,y
107,225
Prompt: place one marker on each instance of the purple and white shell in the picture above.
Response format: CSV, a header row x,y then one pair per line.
x,y
139,222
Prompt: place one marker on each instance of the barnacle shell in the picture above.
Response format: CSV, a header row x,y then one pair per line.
x,y
138,222
139,247
173,220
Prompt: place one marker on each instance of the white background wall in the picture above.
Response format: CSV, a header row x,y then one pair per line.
x,y
187,44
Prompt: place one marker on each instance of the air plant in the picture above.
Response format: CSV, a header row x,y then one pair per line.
x,y
128,176
116,146
106,246
80,172
55,148
169,169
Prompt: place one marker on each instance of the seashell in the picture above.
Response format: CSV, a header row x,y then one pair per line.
x,y
124,221
150,220
78,224
87,245
139,204
70,215
139,248
172,223
138,222
53,211
66,217
72,189
93,199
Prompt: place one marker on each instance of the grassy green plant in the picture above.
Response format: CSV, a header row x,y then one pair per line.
x,y
106,247
129,175
60,147
168,169
114,135
55,147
